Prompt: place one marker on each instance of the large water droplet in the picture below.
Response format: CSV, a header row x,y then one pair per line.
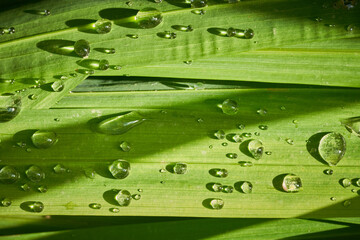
x,y
95,205
148,18
229,107
217,187
352,125
10,107
102,26
217,203
246,187
120,124
123,198
6,202
35,173
35,206
256,149
58,86
345,182
120,169
332,148
180,168
9,175
220,134
82,48
44,139
291,183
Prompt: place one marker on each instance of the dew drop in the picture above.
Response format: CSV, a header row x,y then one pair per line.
x,y
217,203
73,75
6,202
95,205
35,206
32,97
125,146
148,18
224,144
133,36
10,107
90,173
121,123
318,19
82,48
229,107
35,173
11,30
123,197
282,108
268,153
109,50
353,190
102,26
328,171
9,175
295,121
120,169
220,134
261,111
115,67
357,182
228,189
247,135
158,1
198,11
222,173
246,187
44,139
180,168
188,62
140,190
45,12
217,187
236,138
257,134
58,169
345,182
352,125
197,3
211,146
332,148
168,35
241,126
333,198
114,210
291,183
256,149
57,86
246,164
162,170
263,127
289,141
42,189
232,155
26,187
136,196
129,3
350,28
347,203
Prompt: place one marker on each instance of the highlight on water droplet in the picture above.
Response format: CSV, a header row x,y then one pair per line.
x,y
95,205
180,168
90,173
217,203
6,202
345,182
220,134
114,210
268,153
120,169
125,146
57,86
148,18
106,50
102,26
232,155
352,125
59,168
198,11
197,3
9,175
10,106
133,36
263,127
256,149
246,164
217,172
82,48
35,173
120,124
291,183
332,147
224,144
229,107
123,198
333,198
44,139
239,33
183,28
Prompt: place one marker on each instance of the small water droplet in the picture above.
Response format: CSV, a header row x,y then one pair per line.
x,y
228,189
328,171
148,18
102,26
211,146
291,183
247,135
241,126
109,50
261,111
357,182
330,25
123,198
229,107
220,134
256,149
10,107
120,169
82,48
198,11
197,3
58,86
59,169
90,173
188,62
162,182
114,210
347,203
180,168
32,97
217,187
246,34
246,164
129,3
289,141
224,144
222,173
133,36
140,190
257,134
120,124
6,202
350,28
73,75
44,139
246,187
345,182
95,205
352,125
35,173
353,190
295,121
115,67
26,187
217,203
332,147
136,196
125,146
11,30
200,120
42,189
236,138
268,153
282,108
232,155
318,19
35,206
333,198
158,1
9,175
167,35
263,127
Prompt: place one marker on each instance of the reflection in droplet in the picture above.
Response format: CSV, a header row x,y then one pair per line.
x,y
148,18
256,149
291,183
332,148
217,203
120,169
9,175
44,139
120,124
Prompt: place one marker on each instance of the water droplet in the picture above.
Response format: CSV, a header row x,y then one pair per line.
x,y
42,189
345,182
6,202
256,149
232,155
148,18
115,67
9,175
44,139
158,1
328,171
95,205
180,168
133,36
332,148
103,64
261,111
32,97
162,170
347,203
198,11
136,196
217,187
263,127
268,153
10,107
211,146
197,3
246,164
167,35
289,141
330,25
35,206
45,12
73,75
357,182
229,107
220,134
236,138
333,198
85,71
246,187
140,190
353,190
228,189
282,108
217,203
222,173
231,32
63,77
241,126
120,124
295,121
291,183
90,173
123,198
318,19
102,26
350,27
26,187
188,62
82,48
58,86
257,134
11,30
224,144
352,125
125,146
162,182
59,169
120,169
114,210
21,144
109,50
200,120
35,173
